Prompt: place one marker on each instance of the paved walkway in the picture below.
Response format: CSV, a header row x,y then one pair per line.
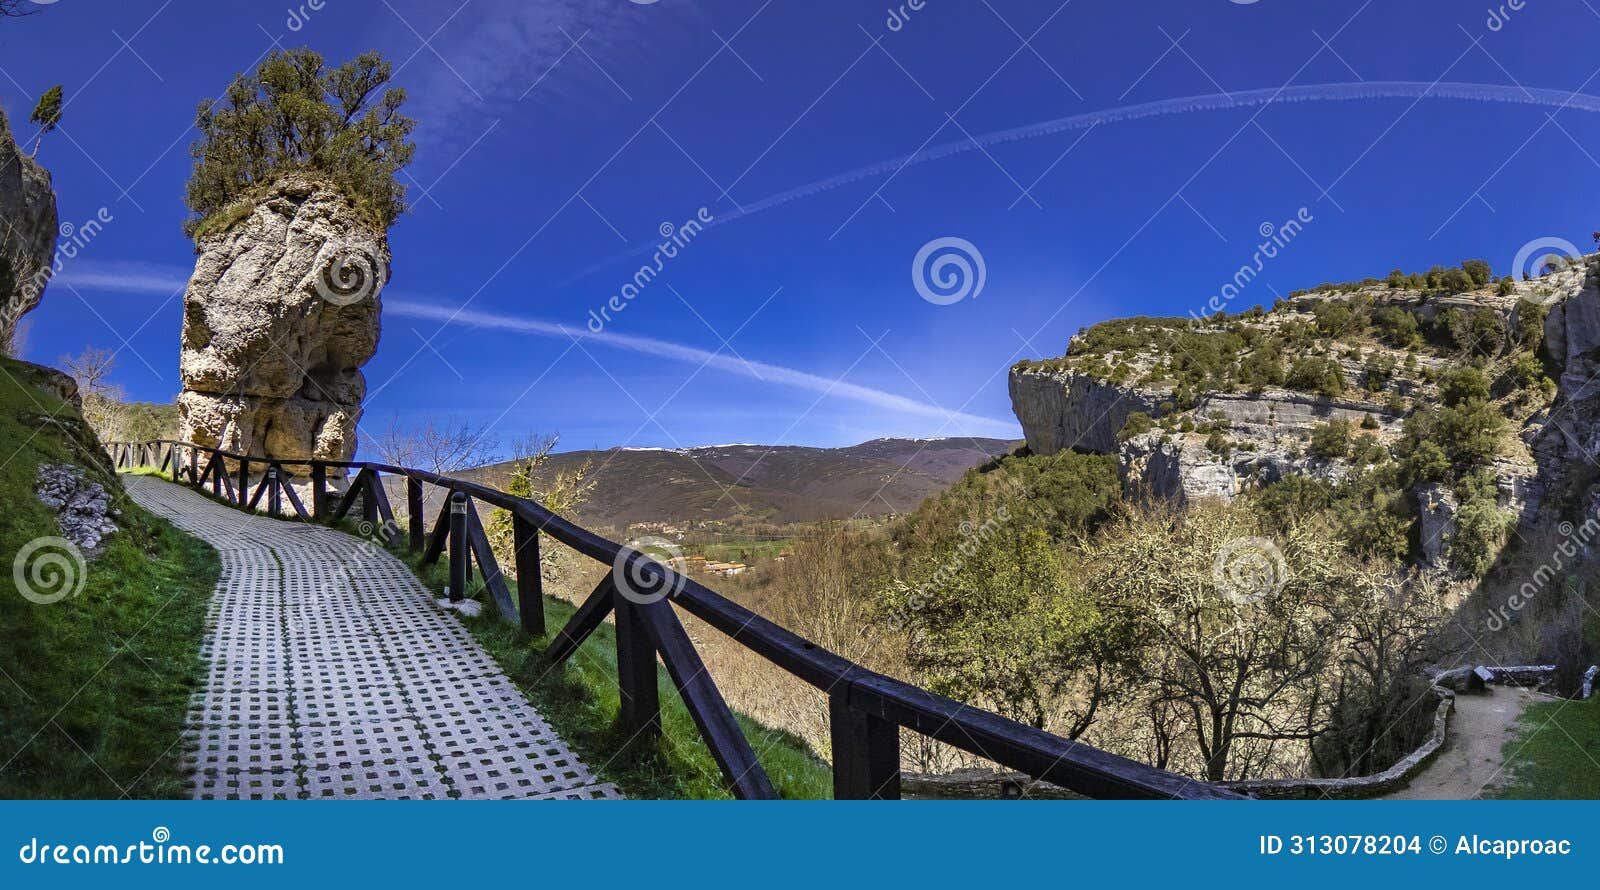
x,y
332,674
1474,756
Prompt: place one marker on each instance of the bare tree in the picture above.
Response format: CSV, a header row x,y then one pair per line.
x,y
16,9
437,446
102,401
559,491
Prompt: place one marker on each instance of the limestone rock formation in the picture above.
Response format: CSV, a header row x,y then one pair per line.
x,y
1217,421
28,230
83,508
1436,513
281,313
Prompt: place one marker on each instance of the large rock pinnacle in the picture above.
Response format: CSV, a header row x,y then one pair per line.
x,y
28,230
281,313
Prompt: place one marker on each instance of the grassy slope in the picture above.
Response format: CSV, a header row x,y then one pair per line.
x,y
95,686
1557,756
581,701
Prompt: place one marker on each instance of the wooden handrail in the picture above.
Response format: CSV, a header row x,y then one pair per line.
x,y
867,709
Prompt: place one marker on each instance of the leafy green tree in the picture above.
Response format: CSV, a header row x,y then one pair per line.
x,y
1481,526
46,114
989,621
1479,271
294,114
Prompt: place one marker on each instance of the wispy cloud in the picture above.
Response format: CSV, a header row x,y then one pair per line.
x,y
123,277
764,372
486,59
165,280
1326,92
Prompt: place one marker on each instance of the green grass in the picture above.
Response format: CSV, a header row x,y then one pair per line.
x,y
581,701
735,549
93,688
1557,755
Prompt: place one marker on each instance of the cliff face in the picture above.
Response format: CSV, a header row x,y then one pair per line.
x,y
1565,440
281,313
28,228
1233,403
1062,410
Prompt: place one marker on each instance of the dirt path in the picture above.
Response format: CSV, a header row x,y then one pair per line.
x,y
1480,727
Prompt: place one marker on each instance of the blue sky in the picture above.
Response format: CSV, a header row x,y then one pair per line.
x,y
557,136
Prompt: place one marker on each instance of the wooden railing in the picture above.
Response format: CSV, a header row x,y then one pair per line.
x,y
867,710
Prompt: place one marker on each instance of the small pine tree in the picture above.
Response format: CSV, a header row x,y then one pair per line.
x,y
47,114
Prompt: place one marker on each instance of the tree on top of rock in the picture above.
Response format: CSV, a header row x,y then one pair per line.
x,y
294,114
47,114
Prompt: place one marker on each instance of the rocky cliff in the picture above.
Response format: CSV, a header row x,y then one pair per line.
x,y
1210,408
28,227
280,315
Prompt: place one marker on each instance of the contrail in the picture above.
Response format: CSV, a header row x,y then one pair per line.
x,y
1332,92
761,371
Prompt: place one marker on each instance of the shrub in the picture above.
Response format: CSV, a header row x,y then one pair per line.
x,y
1463,386
1318,375
1331,440
293,114
1137,424
1530,323
1479,271
1397,327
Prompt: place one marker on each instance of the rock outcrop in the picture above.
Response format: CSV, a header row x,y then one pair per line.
x,y
1217,422
83,508
28,231
1565,440
281,313
1063,410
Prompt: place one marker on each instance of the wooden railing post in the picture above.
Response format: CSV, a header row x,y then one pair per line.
x,y
175,457
458,546
244,480
274,497
414,517
640,716
369,500
319,491
194,467
530,580
866,752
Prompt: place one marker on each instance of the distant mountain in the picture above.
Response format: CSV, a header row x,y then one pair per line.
x,y
772,483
